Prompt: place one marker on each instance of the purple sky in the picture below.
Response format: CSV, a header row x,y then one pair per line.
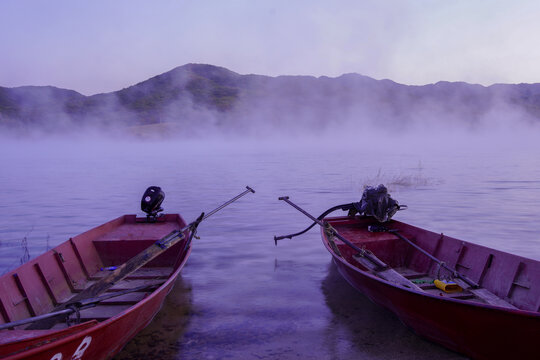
x,y
101,46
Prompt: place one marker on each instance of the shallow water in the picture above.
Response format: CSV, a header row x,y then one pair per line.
x,y
240,296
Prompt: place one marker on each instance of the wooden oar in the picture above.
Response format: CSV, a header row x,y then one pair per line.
x,y
149,254
439,262
332,232
138,261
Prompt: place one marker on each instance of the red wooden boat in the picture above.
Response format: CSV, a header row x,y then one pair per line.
x,y
472,299
103,328
87,297
494,312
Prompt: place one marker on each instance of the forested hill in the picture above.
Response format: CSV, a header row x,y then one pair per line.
x,y
197,96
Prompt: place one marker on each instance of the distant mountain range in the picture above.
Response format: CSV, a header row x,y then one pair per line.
x,y
196,98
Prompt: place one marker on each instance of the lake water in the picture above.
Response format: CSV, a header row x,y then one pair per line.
x,y
240,296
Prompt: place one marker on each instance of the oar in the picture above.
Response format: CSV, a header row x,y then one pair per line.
x,y
332,232
149,254
143,257
363,252
439,262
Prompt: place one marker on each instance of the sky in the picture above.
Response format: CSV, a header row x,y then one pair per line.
x,y
106,45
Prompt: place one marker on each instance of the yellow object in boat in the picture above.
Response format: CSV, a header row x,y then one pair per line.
x,y
447,286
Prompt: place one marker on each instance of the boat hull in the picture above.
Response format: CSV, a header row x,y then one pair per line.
x,y
479,332
93,339
103,340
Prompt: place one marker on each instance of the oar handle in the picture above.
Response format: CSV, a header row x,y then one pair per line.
x,y
193,226
286,199
249,190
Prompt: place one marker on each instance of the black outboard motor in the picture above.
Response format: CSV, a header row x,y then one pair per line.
x,y
151,202
377,202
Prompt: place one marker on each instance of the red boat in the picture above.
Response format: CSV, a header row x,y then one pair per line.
x,y
105,323
488,307
472,299
87,297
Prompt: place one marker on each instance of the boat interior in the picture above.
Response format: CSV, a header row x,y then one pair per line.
x,y
498,278
43,284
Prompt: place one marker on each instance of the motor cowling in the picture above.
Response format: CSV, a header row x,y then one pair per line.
x,y
151,201
376,202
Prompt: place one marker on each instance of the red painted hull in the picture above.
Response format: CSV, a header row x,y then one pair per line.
x,y
481,331
92,339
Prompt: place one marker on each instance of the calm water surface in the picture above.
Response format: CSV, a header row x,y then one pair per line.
x,y
239,296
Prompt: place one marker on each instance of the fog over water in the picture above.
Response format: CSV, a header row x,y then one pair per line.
x,y
439,101
240,296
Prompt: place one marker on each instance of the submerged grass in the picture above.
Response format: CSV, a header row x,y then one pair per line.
x,y
26,254
25,257
401,180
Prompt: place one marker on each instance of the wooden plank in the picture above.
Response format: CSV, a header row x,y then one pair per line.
x,y
46,284
59,326
491,298
127,284
102,312
387,274
24,295
485,295
131,298
462,296
4,312
487,266
60,261
79,258
142,273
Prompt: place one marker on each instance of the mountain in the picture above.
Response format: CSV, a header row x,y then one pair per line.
x,y
196,98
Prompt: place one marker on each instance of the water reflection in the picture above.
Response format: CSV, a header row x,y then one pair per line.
x,y
367,330
163,337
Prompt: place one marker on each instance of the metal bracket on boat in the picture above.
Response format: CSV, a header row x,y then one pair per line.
x,y
76,308
377,228
330,233
165,241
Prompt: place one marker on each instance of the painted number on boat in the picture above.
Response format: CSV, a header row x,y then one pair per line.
x,y
77,355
